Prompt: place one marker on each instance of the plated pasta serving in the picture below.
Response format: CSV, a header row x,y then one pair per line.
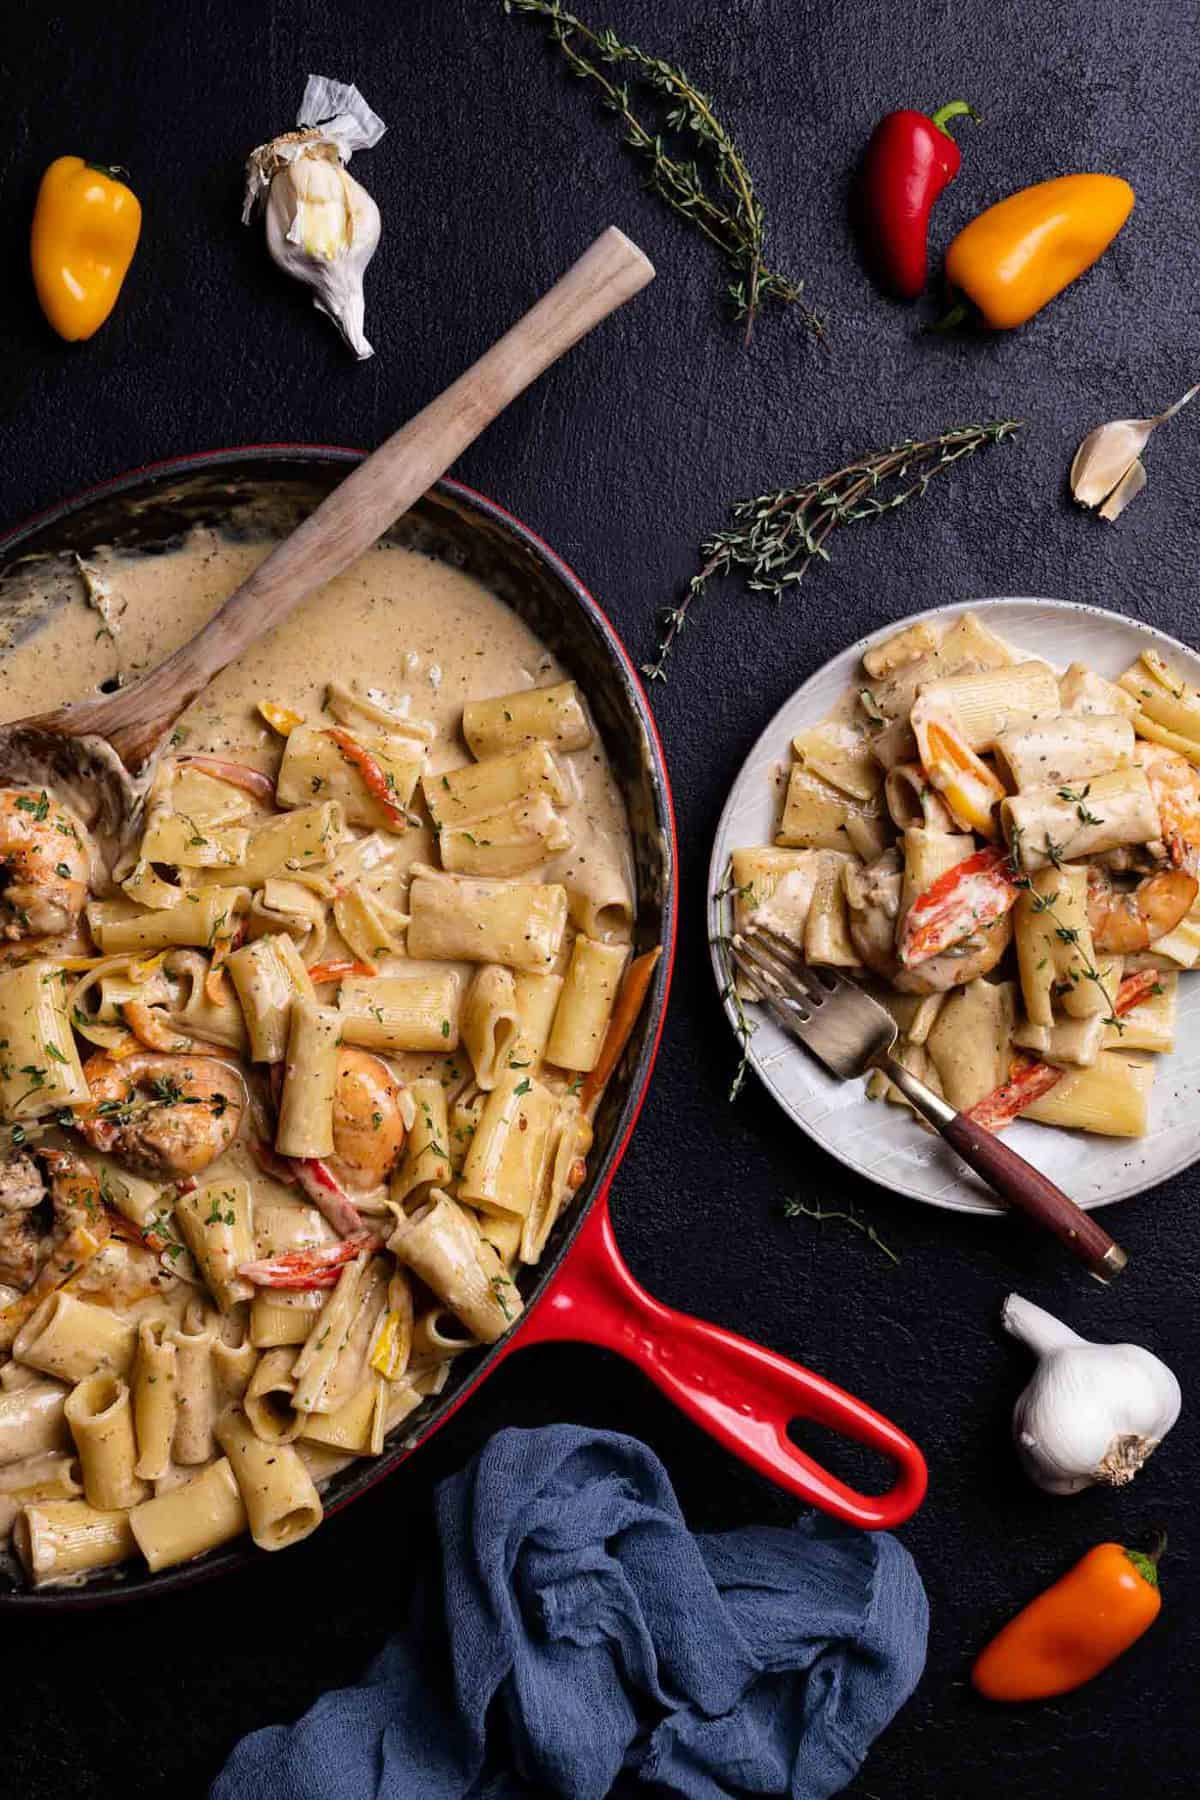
x,y
1006,852
295,1087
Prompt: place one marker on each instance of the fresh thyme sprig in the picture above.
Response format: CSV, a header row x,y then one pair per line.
x,y
719,199
744,1027
794,1209
774,538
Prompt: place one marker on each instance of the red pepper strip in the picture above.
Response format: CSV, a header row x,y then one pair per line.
x,y
325,1193
375,780
337,969
909,160
974,892
1027,1084
1136,988
1030,1080
280,1168
301,1269
251,781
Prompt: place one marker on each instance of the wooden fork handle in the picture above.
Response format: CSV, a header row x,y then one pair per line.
x,y
1024,1186
371,498
1016,1180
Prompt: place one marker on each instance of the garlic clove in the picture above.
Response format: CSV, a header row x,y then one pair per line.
x,y
1128,488
1106,456
1109,454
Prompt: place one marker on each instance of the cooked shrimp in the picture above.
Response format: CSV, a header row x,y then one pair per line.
x,y
1175,784
972,956
38,1212
44,865
170,1115
1124,921
368,1122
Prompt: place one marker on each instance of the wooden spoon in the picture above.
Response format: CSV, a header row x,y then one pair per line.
x,y
94,747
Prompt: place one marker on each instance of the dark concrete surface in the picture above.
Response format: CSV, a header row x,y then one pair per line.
x,y
495,172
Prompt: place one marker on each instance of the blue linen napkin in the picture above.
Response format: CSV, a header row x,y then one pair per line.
x,y
579,1633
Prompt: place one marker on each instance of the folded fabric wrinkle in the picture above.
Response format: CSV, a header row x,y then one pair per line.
x,y
579,1638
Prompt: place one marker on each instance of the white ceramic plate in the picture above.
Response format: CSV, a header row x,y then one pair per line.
x,y
884,1142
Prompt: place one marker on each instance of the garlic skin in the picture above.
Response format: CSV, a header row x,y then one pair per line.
x,y
1091,1412
1107,465
322,226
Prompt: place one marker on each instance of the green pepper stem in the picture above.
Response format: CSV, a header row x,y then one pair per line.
x,y
953,109
950,320
1146,1561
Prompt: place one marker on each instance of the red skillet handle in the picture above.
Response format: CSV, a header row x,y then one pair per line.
x,y
744,1395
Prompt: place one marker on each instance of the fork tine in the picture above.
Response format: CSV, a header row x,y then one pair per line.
x,y
766,983
786,952
800,985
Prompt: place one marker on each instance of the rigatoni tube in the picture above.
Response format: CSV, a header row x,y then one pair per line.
x,y
215,1223
100,1416
464,918
282,1504
589,990
57,1540
188,1520
441,1243
68,1338
310,1077
268,975
504,1164
154,1399
504,723
427,1148
414,1011
490,1022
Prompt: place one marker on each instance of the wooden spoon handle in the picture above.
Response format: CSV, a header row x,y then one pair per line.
x,y
370,499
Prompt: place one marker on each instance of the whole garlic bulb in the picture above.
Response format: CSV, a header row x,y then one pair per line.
x,y
322,225
1092,1412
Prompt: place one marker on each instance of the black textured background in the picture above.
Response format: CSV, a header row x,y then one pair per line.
x,y
495,172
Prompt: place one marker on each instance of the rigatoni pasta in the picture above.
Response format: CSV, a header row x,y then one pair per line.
x,y
462,918
552,715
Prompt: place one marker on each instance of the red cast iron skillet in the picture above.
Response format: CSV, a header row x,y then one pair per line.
x,y
746,1396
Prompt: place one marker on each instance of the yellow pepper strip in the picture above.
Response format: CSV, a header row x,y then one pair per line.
x,y
86,226
388,1357
964,781
1023,251
280,718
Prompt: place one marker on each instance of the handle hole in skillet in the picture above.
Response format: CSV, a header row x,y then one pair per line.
x,y
856,1464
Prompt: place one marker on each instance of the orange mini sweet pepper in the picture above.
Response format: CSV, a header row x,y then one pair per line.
x,y
86,226
1075,1629
1023,251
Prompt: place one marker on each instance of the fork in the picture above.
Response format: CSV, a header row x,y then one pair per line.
x,y
850,1033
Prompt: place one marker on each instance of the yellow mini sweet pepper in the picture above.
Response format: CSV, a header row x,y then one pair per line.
x,y
86,226
1023,251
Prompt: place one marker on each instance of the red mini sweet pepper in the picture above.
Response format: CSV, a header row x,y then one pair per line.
x,y
910,159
